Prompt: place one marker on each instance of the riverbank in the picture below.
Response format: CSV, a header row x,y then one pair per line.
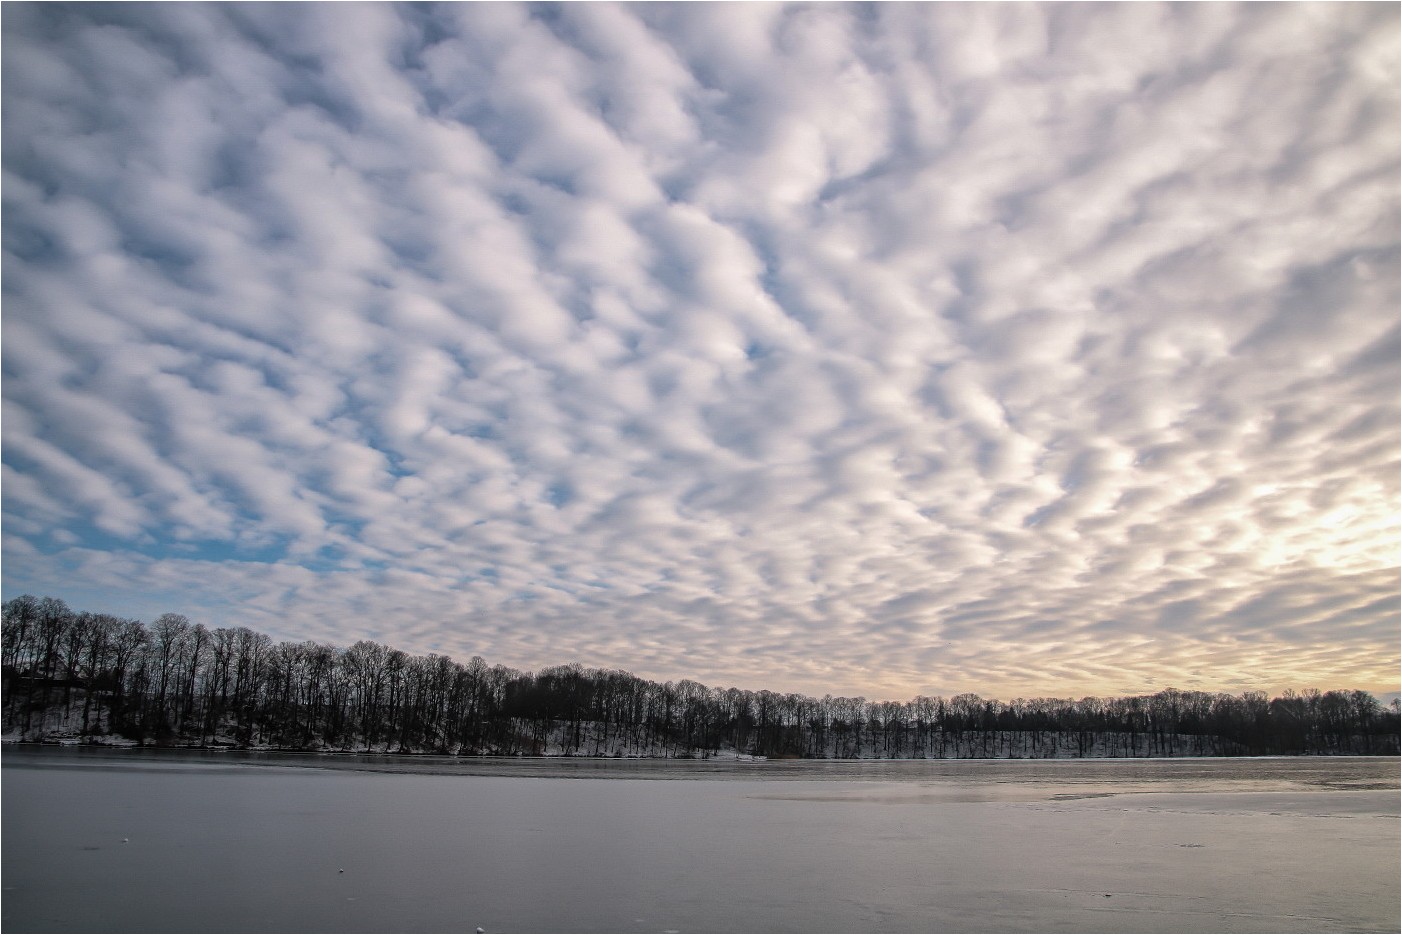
x,y
1103,752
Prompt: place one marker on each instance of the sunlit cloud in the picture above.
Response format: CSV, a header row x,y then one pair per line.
x,y
883,350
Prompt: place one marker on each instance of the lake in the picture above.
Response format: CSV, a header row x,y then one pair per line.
x,y
163,841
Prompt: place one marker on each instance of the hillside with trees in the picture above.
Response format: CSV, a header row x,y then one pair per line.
x,y
97,678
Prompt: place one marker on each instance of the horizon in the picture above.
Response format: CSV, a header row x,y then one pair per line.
x,y
1386,699
885,351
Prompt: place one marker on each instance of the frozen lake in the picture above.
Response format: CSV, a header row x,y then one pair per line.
x,y
238,842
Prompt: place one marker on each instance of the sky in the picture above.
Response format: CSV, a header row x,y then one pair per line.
x,y
1028,350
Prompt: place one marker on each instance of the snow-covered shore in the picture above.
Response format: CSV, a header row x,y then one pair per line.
x,y
1003,745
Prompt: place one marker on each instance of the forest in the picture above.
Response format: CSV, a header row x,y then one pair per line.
x,y
92,677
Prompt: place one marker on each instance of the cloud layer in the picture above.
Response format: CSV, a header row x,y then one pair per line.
x,y
866,349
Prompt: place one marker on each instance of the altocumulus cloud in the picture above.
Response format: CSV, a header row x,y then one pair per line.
x,y
884,348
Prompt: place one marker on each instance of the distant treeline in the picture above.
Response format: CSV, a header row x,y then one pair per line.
x,y
99,677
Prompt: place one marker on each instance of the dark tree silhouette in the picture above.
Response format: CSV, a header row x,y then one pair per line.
x,y
93,675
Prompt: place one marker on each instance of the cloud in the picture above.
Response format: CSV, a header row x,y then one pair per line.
x,y
873,350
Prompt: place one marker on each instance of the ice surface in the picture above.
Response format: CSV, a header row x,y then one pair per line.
x,y
1243,846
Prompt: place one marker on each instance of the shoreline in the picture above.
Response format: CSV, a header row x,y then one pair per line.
x,y
722,757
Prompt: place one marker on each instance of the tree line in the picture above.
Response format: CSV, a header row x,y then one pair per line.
x,y
101,677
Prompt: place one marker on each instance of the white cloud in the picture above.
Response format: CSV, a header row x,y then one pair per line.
x,y
1015,349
